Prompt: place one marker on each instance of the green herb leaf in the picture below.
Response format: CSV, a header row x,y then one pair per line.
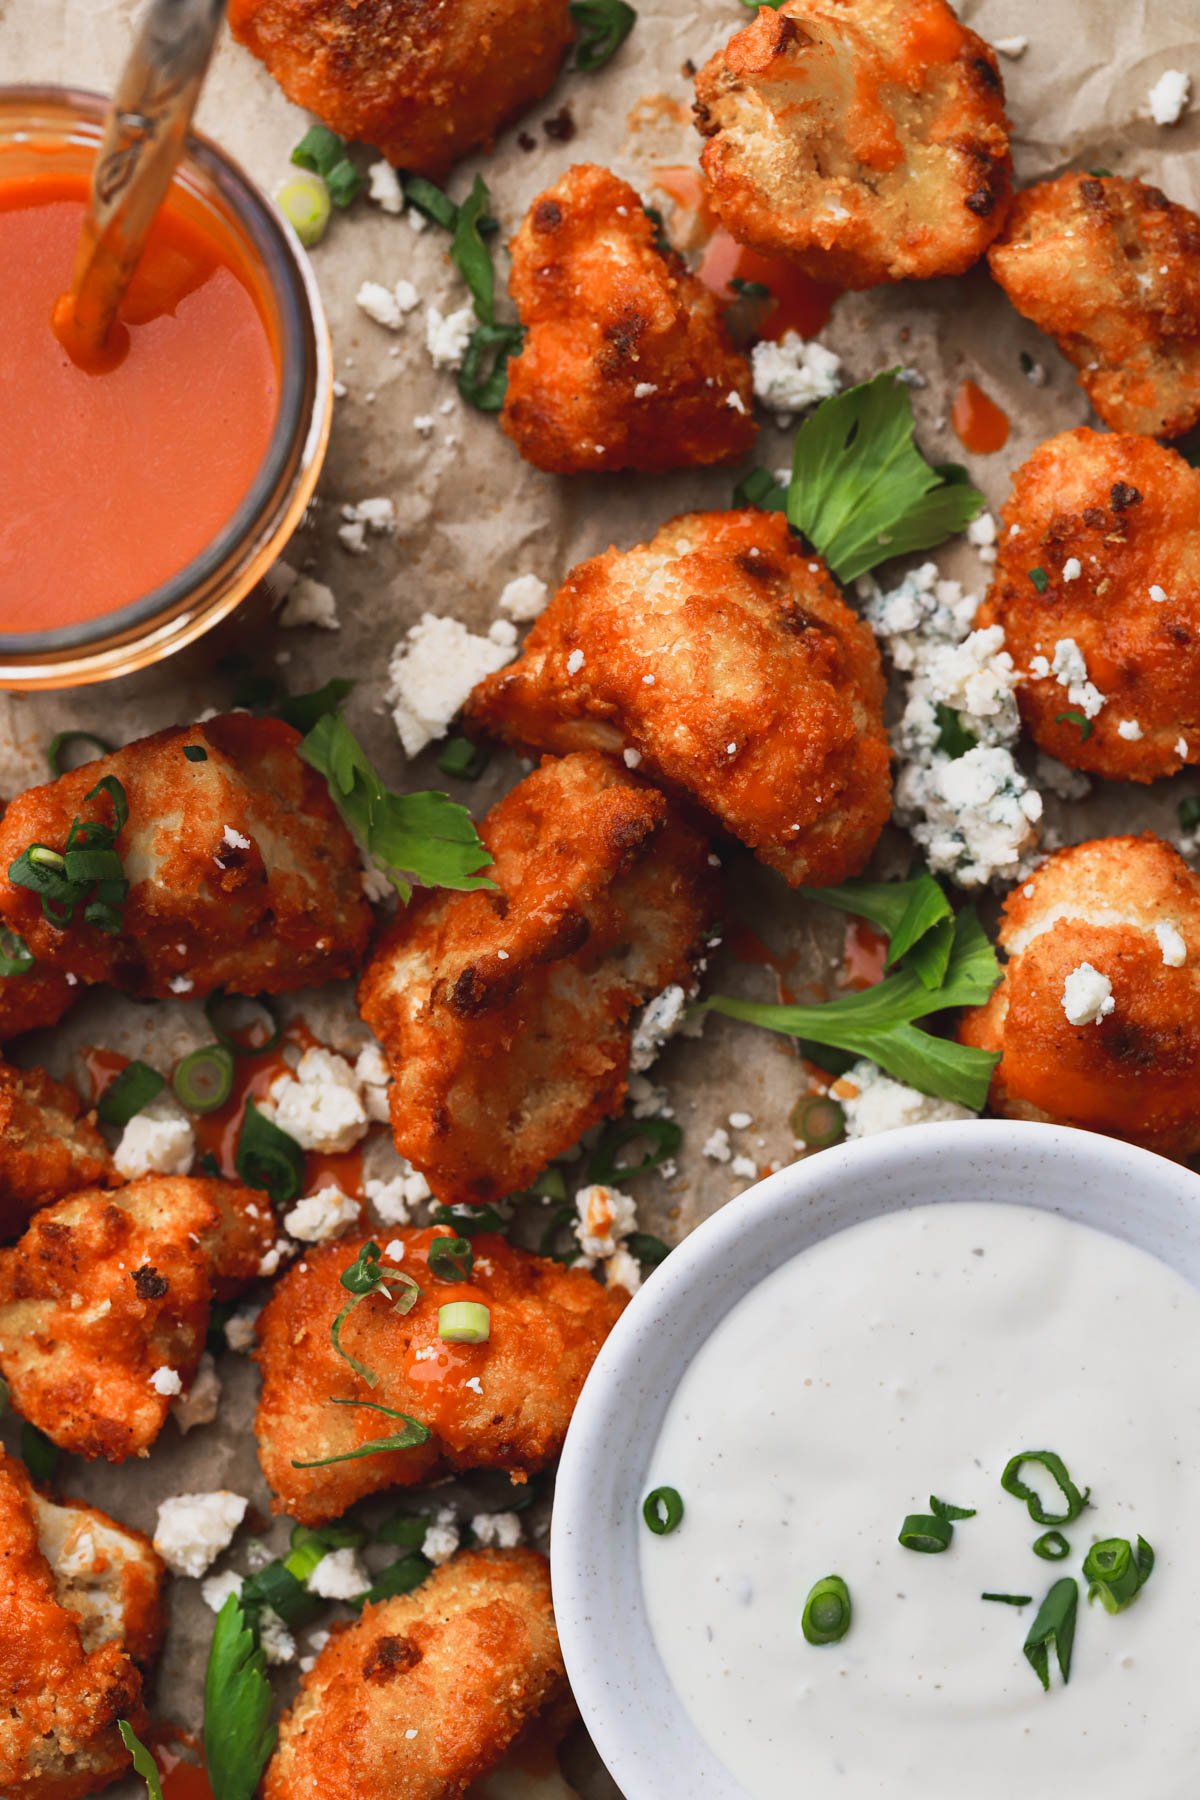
x,y
1009,1599
483,372
953,738
303,710
143,1763
861,492
1116,1573
431,200
942,1509
907,912
16,958
400,1577
451,1259
238,1735
927,1533
414,1433
604,1165
1073,1501
1055,1624
647,1249
760,488
471,256
424,838
39,1455
367,1275
1040,579
827,1610
129,1094
319,150
603,26
268,1158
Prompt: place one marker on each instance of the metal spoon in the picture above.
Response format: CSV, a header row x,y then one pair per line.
x,y
143,138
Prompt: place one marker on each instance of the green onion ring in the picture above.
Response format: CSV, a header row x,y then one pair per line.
x,y
1052,1546
1054,1466
464,1322
662,1510
62,740
220,1001
451,1259
204,1079
132,1090
16,958
817,1121
1115,1573
926,1533
827,1611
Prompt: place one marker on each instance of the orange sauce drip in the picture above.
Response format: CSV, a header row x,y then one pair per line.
x,y
979,424
864,955
930,33
101,1068
748,947
186,1782
114,479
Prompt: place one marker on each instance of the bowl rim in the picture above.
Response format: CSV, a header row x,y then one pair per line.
x,y
628,1703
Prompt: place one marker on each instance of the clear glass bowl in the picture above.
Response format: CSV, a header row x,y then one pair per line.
x,y
41,123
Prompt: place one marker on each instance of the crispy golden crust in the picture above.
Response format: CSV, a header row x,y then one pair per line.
x,y
1111,269
424,83
608,315
105,1288
286,912
82,1600
725,657
461,1665
34,1001
547,1326
1136,1073
48,1146
505,1015
865,138
1125,509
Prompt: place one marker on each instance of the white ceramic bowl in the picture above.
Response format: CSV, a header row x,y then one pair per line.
x,y
628,1703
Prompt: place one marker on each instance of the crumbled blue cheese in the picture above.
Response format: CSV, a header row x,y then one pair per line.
x,y
387,306
157,1141
1087,996
392,1198
166,1381
873,1101
326,1214
1070,670
383,187
975,815
193,1529
793,374
1129,729
716,1146
447,335
501,1530
434,668
340,1575
606,1217
661,1018
309,602
924,609
1168,98
200,1404
524,598
442,1537
1171,944
321,1105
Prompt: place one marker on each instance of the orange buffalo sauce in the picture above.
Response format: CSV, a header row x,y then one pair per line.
x,y
113,481
979,424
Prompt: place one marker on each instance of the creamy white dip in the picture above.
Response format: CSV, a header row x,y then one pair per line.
x,y
910,1356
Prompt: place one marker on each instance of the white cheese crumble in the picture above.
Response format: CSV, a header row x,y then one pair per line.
x,y
1129,729
1169,96
278,1644
1072,569
441,1539
574,662
631,757
326,1214
320,1105
981,532
447,335
157,1141
234,839
1171,944
1011,46
1087,996
387,306
606,1216
193,1529
433,669
661,1018
500,1530
524,597
392,1198
166,1381
216,1589
622,1269
716,1146
241,1329
1070,670
377,516
309,602
199,1405
741,1121
793,374
383,187
873,1101
340,1575
643,389
1157,594
745,1167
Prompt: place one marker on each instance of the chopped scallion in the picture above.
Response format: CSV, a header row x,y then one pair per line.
x,y
464,1322
268,1158
1052,1546
1040,579
663,1510
1055,1624
817,1122
367,1275
926,1533
603,26
132,1091
62,741
1073,1501
1116,1572
204,1079
827,1611
226,1015
16,958
413,1433
942,1509
451,1259
463,759
1009,1599
304,200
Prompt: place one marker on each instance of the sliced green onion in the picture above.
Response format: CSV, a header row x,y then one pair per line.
x,y
464,1322
468,1221
1052,1546
1009,1599
759,488
319,150
1189,812
103,917
647,1249
86,866
42,857
483,373
463,759
942,1509
406,1529
365,1276
204,1079
817,1122
827,1611
926,1533
750,290
143,1763
1116,1573
195,752
431,200
132,1091
1055,1624
1074,1501
1080,720
267,1157
1040,579
16,958
221,1010
663,1510
63,740
283,1591
605,1167
400,1577
414,1432
344,182
301,711
550,1184
451,1259
39,1455
603,26
305,202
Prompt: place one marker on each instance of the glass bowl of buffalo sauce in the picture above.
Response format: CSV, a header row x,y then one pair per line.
x,y
143,498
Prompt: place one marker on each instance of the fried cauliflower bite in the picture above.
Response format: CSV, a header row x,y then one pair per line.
x,y
864,138
34,1001
427,1691
1129,909
425,84
82,1608
1110,268
241,873
48,1145
505,1014
502,1404
723,659
1097,586
627,363
108,1290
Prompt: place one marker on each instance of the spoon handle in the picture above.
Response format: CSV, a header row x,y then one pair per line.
x,y
143,139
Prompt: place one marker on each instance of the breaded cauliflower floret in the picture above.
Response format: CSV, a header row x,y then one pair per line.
x,y
719,658
865,138
627,364
1111,269
104,1304
241,873
48,1145
426,1692
34,1001
502,1404
1097,586
1098,1014
83,1607
506,1014
424,84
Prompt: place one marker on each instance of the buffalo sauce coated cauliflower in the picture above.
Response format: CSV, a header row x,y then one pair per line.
x,y
865,138
627,364
48,1146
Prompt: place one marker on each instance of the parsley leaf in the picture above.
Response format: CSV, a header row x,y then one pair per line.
x,y
760,488
952,735
915,916
861,491
880,1022
143,1763
238,1735
418,839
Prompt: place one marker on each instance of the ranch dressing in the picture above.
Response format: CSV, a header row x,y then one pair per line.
x,y
909,1356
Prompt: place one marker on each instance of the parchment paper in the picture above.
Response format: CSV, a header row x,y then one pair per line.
x,y
472,515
